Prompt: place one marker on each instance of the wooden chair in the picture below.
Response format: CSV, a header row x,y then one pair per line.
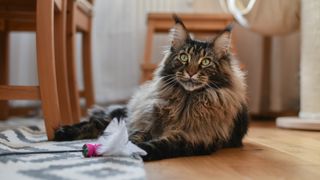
x,y
200,24
48,19
79,19
79,15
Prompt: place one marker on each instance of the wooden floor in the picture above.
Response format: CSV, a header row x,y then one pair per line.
x,y
268,153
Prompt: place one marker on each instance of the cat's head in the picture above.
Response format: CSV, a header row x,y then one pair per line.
x,y
195,64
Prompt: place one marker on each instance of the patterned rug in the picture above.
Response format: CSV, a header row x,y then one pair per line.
x,y
64,166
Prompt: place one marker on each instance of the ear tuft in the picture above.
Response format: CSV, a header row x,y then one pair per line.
x,y
178,34
177,19
222,42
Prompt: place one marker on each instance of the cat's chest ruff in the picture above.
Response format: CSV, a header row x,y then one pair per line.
x,y
184,106
198,116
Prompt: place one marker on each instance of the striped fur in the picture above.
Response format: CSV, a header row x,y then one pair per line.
x,y
189,108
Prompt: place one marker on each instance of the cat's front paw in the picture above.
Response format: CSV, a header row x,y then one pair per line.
x,y
65,133
151,150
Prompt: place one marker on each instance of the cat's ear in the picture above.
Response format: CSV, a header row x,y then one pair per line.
x,y
222,42
178,34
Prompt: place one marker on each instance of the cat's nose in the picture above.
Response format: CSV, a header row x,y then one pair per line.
x,y
191,73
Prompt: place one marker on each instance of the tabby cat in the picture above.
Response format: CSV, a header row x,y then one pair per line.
x,y
195,104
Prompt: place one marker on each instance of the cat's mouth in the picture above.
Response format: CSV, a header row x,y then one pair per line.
x,y
190,84
189,80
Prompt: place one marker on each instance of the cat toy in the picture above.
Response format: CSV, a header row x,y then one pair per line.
x,y
113,142
90,150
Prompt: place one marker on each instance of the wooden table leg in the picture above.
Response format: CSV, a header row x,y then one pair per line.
x,y
46,65
4,72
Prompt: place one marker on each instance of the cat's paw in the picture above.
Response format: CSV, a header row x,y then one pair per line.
x,y
151,152
65,133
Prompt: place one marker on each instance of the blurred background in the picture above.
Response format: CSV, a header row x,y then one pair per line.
x,y
276,41
119,30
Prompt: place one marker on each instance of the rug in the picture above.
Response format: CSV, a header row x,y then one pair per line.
x,y
64,166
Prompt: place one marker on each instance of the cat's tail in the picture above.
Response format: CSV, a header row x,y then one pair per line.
x,y
117,111
107,114
99,119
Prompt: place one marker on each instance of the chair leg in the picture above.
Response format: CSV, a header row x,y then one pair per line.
x,y
87,69
61,64
46,65
265,77
4,72
72,80
147,52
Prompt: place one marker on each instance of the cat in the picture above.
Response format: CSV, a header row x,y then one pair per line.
x,y
194,105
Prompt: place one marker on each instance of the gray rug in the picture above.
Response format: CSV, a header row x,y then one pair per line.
x,y
64,166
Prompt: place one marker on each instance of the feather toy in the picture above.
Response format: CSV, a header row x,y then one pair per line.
x,y
113,142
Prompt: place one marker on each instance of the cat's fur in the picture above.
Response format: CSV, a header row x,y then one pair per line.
x,y
188,108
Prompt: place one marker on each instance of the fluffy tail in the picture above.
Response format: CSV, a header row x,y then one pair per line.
x,y
99,119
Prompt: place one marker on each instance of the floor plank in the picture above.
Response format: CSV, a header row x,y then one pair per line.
x,y
268,153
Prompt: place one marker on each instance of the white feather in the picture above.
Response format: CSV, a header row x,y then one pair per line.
x,y
115,141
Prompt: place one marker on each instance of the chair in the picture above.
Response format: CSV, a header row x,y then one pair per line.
x,y
47,18
79,19
200,24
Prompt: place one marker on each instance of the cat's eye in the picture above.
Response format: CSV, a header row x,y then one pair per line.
x,y
205,62
184,58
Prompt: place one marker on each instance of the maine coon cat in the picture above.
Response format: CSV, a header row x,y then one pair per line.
x,y
195,104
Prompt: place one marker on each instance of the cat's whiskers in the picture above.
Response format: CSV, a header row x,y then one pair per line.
x,y
167,83
169,75
167,78
214,85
